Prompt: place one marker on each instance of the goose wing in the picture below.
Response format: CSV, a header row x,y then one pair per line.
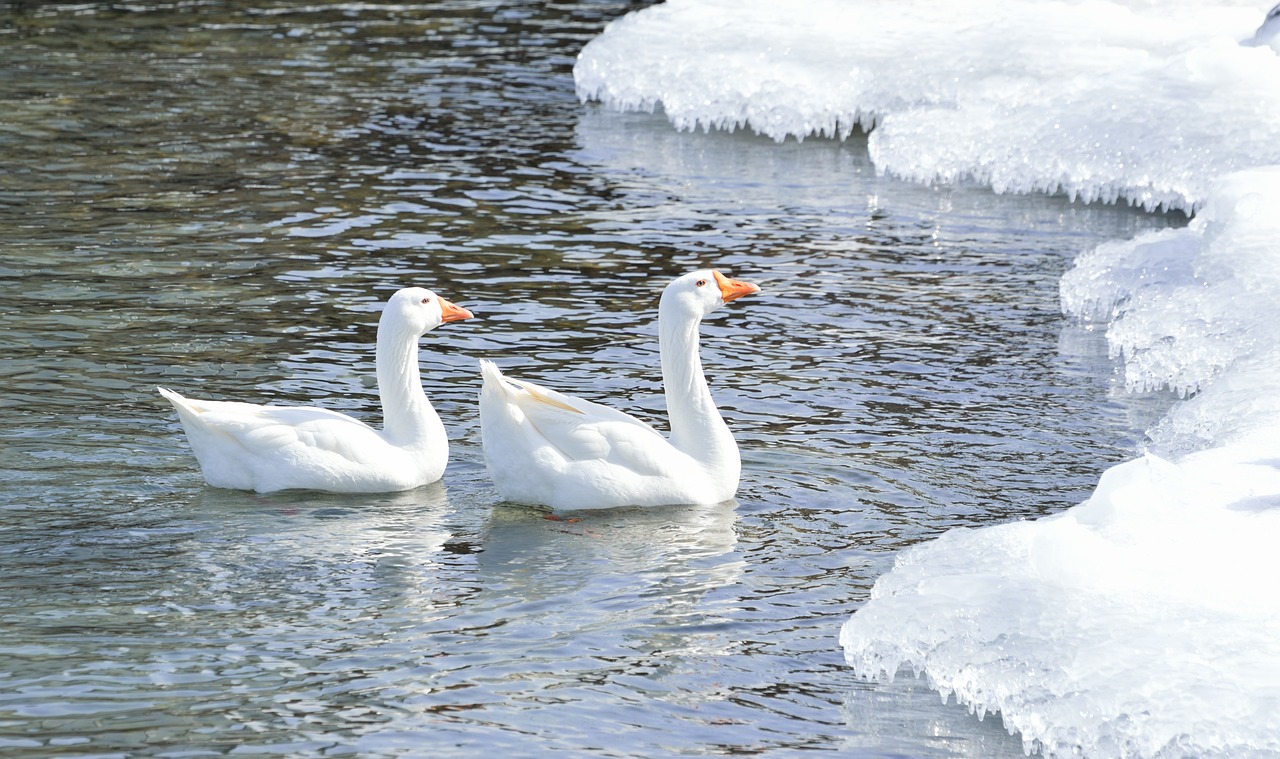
x,y
578,430
281,431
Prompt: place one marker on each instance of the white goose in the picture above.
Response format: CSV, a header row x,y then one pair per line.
x,y
266,448
544,447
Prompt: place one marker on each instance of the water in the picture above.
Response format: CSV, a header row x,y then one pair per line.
x,y
218,197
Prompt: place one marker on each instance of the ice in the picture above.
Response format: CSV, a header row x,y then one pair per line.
x,y
1143,622
1146,621
1197,310
1145,101
1184,305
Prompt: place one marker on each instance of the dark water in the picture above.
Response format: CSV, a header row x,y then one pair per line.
x,y
218,196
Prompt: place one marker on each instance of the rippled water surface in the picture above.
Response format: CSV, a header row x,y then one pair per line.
x,y
218,196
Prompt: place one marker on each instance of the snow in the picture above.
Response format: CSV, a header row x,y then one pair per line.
x,y
1100,100
1196,310
1145,621
1110,629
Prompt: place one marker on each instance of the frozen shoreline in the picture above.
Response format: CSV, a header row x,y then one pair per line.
x,y
1141,622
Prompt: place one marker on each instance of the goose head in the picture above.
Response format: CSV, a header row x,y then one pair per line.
x,y
698,293
418,310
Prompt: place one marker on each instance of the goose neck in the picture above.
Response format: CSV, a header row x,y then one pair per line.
x,y
408,417
696,425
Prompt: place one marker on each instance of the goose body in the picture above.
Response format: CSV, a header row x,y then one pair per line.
x,y
266,448
547,448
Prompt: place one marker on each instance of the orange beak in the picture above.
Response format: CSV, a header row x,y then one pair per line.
x,y
451,312
732,289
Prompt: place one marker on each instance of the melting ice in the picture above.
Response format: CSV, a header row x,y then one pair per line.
x,y
1145,621
1147,101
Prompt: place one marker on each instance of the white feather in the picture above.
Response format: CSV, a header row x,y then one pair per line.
x,y
544,447
266,448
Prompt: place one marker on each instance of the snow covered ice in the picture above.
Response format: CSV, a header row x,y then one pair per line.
x,y
1105,627
1100,100
1145,621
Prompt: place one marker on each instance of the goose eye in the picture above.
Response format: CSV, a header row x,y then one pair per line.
x,y
426,300
702,283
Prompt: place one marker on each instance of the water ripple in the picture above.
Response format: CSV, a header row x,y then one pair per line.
x,y
218,197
